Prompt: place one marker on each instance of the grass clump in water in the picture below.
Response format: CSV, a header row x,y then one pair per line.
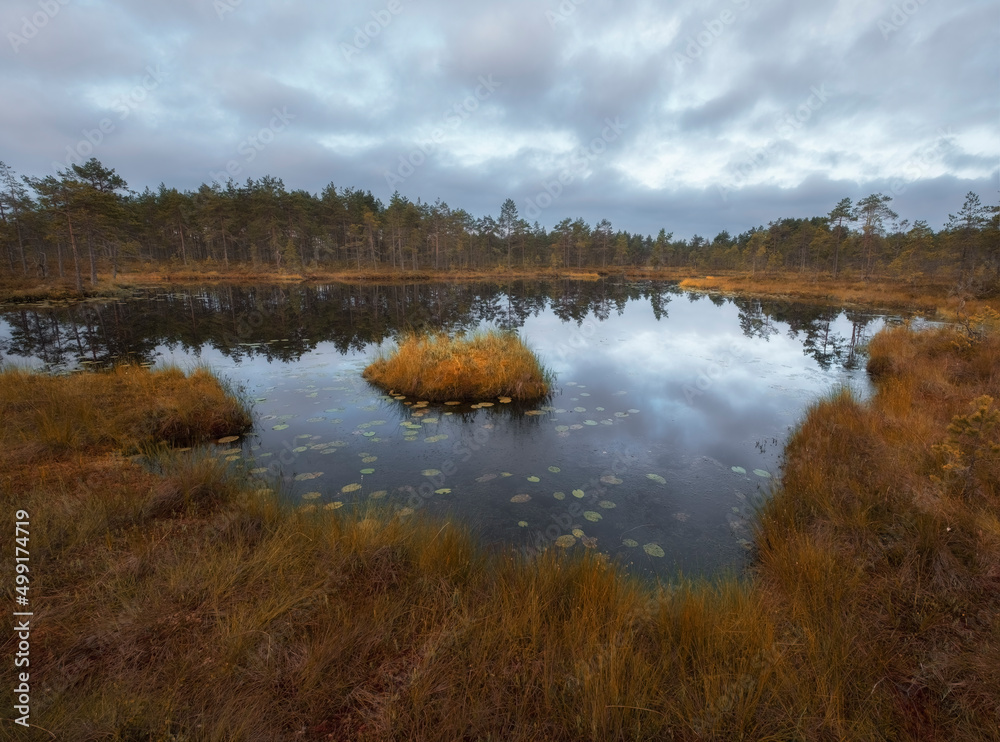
x,y
483,365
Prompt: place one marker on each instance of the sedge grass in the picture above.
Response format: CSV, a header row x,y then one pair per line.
x,y
185,605
481,366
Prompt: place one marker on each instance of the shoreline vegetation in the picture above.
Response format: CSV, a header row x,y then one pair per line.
x,y
926,295
480,367
182,601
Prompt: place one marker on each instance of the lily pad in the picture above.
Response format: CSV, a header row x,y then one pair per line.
x,y
280,426
431,472
352,487
578,532
559,495
607,504
589,541
336,504
523,523
378,494
228,439
656,478
506,474
555,469
610,479
762,473
565,541
738,469
578,493
442,491
590,422
369,459
579,409
592,516
630,542
486,477
654,550
505,400
562,428
300,449
534,479
312,495
520,498
368,471
308,475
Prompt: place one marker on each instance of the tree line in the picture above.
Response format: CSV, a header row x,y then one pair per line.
x,y
86,217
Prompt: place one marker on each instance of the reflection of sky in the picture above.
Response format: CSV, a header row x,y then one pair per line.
x,y
708,399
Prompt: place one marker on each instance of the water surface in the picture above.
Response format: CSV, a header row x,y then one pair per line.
x,y
665,426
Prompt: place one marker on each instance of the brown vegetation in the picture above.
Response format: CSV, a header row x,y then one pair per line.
x,y
478,367
188,606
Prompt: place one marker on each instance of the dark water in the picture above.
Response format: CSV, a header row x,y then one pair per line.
x,y
666,425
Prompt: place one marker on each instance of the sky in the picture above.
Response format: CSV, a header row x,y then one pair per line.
x,y
694,116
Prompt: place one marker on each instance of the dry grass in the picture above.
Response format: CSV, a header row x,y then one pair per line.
x,y
924,295
482,366
186,606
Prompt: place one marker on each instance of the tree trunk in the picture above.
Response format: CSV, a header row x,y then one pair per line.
x,y
93,259
76,254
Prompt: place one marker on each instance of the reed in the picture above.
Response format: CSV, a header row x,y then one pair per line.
x,y
482,366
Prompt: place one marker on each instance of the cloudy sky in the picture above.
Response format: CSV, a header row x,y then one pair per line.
x,y
695,115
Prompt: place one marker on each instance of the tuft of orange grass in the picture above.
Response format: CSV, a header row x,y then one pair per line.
x,y
479,366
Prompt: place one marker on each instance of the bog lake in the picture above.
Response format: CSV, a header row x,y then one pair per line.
x,y
665,426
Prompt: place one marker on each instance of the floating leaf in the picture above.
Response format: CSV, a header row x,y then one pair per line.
x,y
353,487
592,516
368,471
369,459
577,493
485,404
534,479
610,479
555,469
312,495
442,491
590,422
654,550
762,473
534,412
621,414
589,541
280,426
578,532
520,498
486,477
314,420
405,511
368,434
630,542
584,394
307,509
300,449
259,470
739,469
523,523
559,495
377,494
333,505
506,474
562,428
452,404
228,439
232,458
565,541
657,478
505,400
308,475
634,412
607,504
431,472
579,409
